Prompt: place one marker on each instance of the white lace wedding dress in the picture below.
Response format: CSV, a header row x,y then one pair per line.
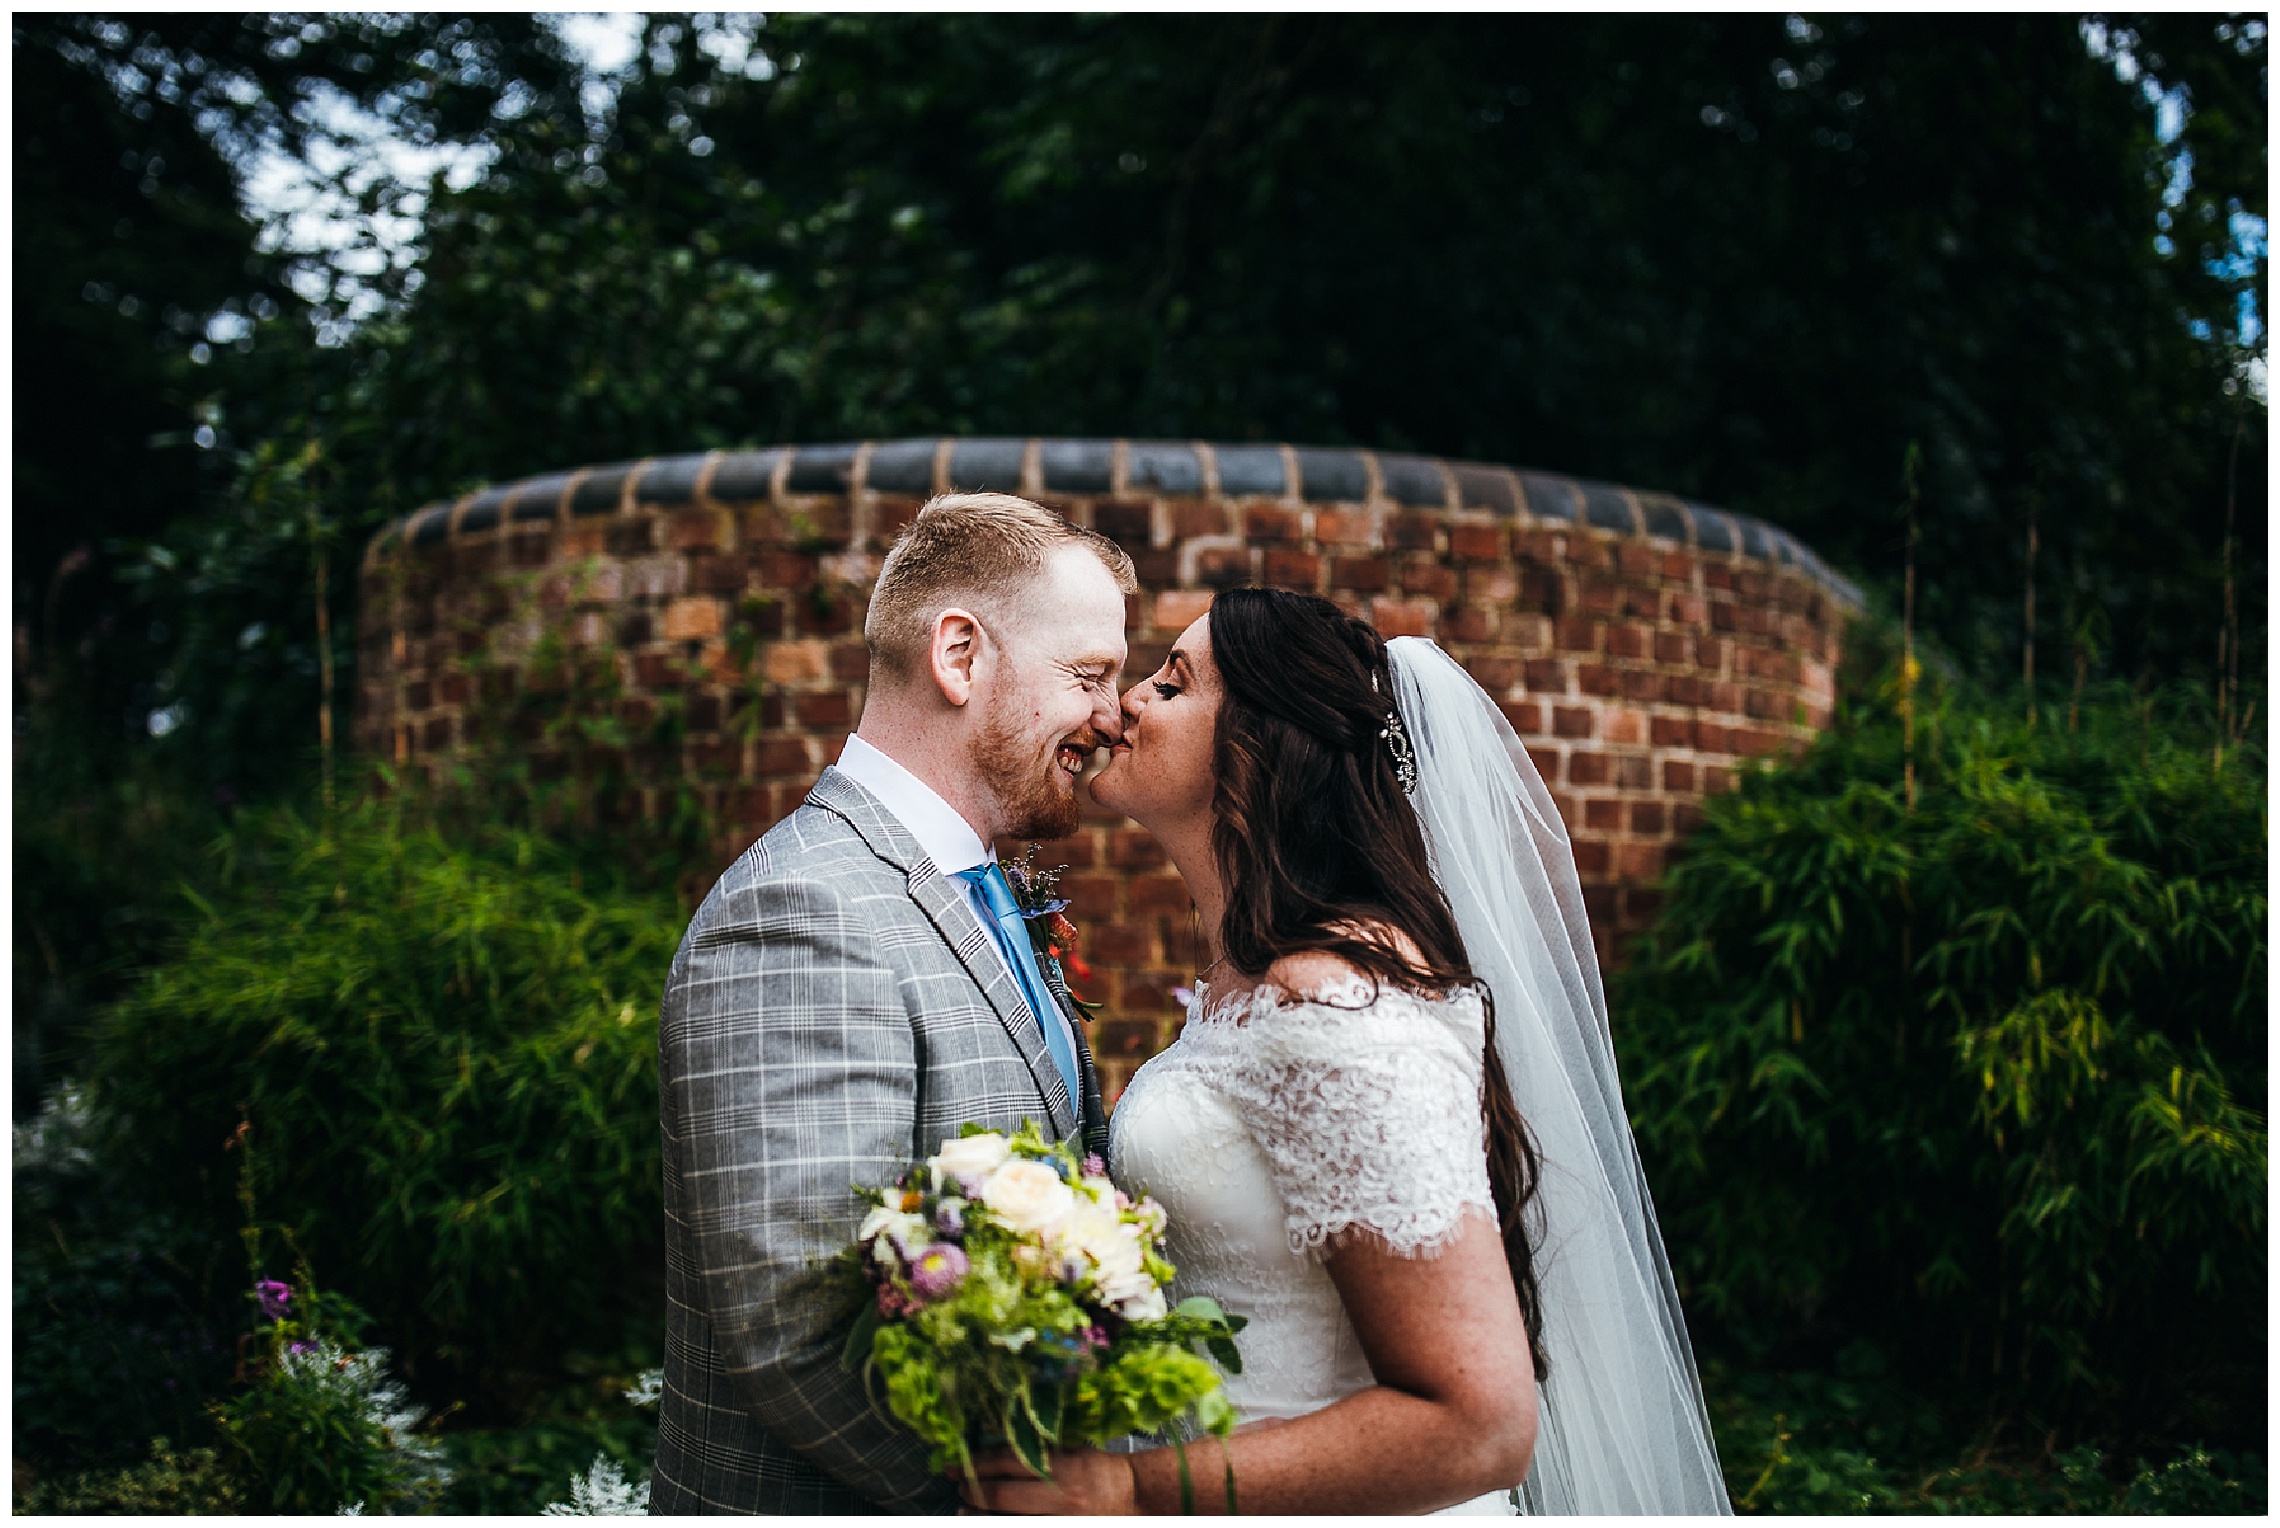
x,y
1265,1130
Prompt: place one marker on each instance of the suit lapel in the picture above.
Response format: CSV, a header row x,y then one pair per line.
x,y
945,904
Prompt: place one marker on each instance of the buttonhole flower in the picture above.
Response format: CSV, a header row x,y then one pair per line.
x,y
937,1271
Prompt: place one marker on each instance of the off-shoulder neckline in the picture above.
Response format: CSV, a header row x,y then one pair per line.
x,y
1352,993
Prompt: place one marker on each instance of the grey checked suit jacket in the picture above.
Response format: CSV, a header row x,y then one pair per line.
x,y
835,1010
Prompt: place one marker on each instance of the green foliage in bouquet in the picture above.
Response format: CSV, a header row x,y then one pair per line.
x,y
449,1047
1009,1293
1983,1078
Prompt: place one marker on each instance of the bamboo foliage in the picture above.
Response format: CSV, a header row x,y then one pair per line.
x,y
2038,1161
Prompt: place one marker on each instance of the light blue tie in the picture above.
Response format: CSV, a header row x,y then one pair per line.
x,y
1012,932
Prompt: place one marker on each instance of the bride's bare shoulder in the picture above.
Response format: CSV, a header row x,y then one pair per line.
x,y
1312,974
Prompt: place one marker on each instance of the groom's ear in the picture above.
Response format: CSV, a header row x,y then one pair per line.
x,y
953,654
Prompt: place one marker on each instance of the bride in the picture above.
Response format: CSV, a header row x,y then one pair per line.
x,y
1390,1133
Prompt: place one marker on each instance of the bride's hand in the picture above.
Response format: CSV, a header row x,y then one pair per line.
x,y
1086,1483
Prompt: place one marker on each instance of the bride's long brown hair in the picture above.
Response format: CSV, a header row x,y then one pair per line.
x,y
1318,847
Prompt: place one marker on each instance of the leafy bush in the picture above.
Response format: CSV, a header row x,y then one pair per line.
x,y
1984,1078
168,1484
121,1307
449,1051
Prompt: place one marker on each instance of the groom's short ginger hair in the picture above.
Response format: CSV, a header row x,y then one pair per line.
x,y
967,549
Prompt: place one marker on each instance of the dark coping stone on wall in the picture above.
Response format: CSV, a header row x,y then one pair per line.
x,y
1339,477
743,476
429,526
1753,537
536,499
1413,480
821,469
670,480
1077,466
1485,488
902,466
1665,517
1251,469
986,466
482,511
1161,467
600,492
1713,530
1605,506
1552,498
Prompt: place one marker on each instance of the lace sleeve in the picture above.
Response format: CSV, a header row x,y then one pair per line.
x,y
1369,1112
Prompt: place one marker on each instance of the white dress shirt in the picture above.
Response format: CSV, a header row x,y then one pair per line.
x,y
947,838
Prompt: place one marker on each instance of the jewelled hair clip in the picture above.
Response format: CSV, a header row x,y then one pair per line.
x,y
1404,761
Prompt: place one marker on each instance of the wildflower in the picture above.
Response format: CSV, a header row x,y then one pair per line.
x,y
937,1271
950,1218
276,1299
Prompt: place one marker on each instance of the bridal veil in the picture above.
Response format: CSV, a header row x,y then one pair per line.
x,y
1623,1427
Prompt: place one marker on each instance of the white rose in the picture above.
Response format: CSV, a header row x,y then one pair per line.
x,y
1102,1190
1094,1233
1147,1307
972,1156
1125,1287
1028,1196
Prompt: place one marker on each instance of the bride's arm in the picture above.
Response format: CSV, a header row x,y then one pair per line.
x,y
1451,1417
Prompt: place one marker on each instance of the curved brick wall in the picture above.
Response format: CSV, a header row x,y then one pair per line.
x,y
1641,644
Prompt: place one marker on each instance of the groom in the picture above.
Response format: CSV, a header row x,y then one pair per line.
x,y
860,984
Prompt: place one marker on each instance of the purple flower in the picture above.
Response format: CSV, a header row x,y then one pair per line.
x,y
276,1299
950,1218
298,1347
893,1304
938,1270
1094,1166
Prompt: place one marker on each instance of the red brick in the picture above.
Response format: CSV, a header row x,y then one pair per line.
x,y
1090,896
1718,575
716,575
1717,780
1752,741
824,708
1402,618
1671,647
1678,775
1571,721
1546,760
1588,769
1677,566
1686,609
1765,705
1595,679
1638,862
1641,906
1268,527
1471,623
1345,527
1546,676
1123,943
1477,543
1637,559
1177,609
1363,575
1726,697
1223,566
1642,685
692,530
1627,727
1294,570
1423,579
702,713
1591,857
1413,532
1600,597
1646,817
1130,1038
1494,671
1157,894
1685,817
1711,737
775,756
1575,634
1634,772
1628,640
1603,814
850,662
1134,849
786,570
436,734
631,538
1526,717
1197,517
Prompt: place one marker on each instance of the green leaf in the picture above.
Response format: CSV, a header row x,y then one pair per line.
x,y
1027,1440
858,1348
1045,1408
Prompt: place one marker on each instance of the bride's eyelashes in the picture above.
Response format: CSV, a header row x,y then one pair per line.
x,y
1164,691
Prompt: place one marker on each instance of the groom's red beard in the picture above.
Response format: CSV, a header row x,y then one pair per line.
x,y
1038,799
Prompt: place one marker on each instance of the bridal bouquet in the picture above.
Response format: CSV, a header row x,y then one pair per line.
x,y
1012,1294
